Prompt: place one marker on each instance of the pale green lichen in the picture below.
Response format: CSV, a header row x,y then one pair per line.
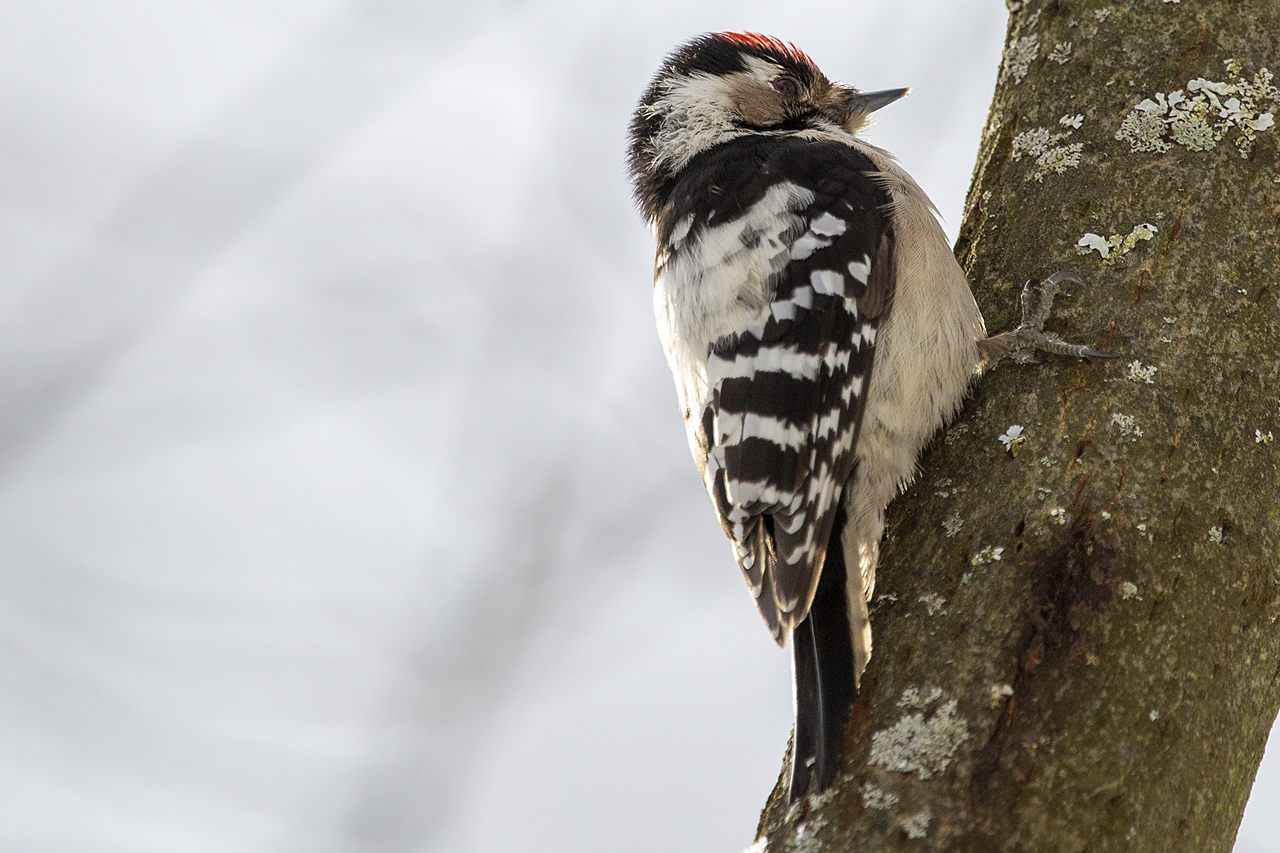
x,y
1127,426
1144,132
1194,132
1013,438
1215,534
917,826
1129,590
986,555
1142,232
874,797
952,525
933,603
804,841
1057,160
1020,55
920,745
1203,114
1260,437
913,698
1139,372
1115,247
1052,158
1061,52
1091,242
1033,142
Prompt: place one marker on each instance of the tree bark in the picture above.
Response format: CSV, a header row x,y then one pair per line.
x,y
1108,679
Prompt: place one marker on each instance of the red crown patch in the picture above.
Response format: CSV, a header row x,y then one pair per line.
x,y
758,40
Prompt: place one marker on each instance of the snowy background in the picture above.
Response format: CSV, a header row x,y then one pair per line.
x,y
344,505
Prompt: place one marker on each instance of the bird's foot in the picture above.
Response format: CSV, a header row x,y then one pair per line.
x,y
1029,337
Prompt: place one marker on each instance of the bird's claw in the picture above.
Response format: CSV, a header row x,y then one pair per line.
x,y
1030,337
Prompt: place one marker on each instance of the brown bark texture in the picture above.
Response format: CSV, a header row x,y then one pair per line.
x,y
1077,637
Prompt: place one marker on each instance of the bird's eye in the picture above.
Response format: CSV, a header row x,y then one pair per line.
x,y
786,86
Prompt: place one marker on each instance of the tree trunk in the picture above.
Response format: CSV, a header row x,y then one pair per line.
x,y
1077,645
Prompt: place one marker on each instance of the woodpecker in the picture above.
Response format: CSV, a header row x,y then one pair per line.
x,y
819,331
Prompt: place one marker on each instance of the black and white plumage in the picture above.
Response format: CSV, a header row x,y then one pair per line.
x,y
818,328
790,245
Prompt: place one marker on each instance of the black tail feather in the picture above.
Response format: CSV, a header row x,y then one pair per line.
x,y
825,689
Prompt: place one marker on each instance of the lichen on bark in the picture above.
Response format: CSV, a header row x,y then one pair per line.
x,y
1117,671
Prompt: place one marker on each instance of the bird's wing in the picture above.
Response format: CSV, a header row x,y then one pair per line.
x,y
785,392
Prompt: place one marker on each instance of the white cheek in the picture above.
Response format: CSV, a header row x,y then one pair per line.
x,y
699,112
695,114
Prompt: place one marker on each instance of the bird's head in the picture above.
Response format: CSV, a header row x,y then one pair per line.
x,y
722,85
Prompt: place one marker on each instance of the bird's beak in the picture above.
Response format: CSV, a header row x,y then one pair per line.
x,y
869,102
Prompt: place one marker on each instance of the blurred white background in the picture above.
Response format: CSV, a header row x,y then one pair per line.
x,y
344,505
